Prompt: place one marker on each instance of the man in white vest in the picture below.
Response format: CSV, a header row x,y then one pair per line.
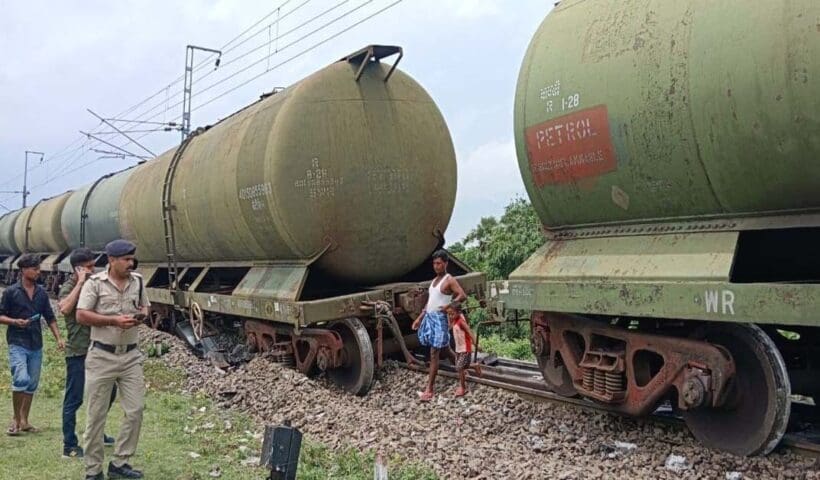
x,y
432,326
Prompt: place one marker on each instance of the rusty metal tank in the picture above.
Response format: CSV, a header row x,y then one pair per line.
x,y
44,224
8,245
102,212
646,111
360,172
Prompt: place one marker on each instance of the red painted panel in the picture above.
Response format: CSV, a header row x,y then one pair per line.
x,y
571,147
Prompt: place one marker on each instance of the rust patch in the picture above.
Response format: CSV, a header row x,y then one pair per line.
x,y
571,147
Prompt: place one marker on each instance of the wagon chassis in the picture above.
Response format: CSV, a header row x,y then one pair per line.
x,y
279,318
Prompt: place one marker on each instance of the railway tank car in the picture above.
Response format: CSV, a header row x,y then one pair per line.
x,y
671,151
301,225
330,197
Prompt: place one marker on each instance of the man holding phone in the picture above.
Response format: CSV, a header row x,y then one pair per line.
x,y
79,338
21,308
111,303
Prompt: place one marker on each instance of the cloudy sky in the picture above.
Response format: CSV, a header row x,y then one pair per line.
x,y
60,58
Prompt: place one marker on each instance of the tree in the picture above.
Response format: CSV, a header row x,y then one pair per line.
x,y
497,247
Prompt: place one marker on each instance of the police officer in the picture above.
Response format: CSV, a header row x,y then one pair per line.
x,y
111,303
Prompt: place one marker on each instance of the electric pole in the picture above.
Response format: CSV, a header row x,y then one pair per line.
x,y
25,174
25,191
189,81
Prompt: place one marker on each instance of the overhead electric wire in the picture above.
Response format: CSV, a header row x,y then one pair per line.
x,y
295,56
280,36
139,119
206,61
260,60
178,79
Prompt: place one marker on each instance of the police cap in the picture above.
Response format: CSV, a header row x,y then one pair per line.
x,y
120,248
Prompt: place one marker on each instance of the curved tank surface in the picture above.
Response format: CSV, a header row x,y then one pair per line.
x,y
8,245
45,225
362,170
20,228
102,210
656,111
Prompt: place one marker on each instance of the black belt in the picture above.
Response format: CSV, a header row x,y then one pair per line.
x,y
113,348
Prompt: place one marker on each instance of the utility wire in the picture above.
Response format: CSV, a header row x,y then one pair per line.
x,y
261,60
164,89
207,60
295,56
255,77
199,79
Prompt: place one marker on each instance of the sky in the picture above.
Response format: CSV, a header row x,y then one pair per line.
x,y
61,58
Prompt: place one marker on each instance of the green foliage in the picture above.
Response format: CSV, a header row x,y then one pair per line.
x,y
497,247
501,345
157,349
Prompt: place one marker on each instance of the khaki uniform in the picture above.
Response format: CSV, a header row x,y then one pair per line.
x,y
104,369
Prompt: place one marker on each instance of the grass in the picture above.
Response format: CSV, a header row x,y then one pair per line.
x,y
183,437
516,348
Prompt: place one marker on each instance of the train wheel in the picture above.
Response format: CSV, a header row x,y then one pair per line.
x,y
356,374
556,376
756,412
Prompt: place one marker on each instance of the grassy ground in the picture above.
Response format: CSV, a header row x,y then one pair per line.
x,y
183,437
517,348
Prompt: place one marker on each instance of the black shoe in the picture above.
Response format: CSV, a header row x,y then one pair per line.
x,y
108,441
73,452
125,471
98,476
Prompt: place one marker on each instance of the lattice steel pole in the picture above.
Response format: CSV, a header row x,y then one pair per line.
x,y
189,82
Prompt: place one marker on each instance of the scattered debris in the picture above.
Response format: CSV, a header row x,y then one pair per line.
x,y
676,463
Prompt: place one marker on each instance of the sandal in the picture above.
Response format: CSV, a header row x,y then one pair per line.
x,y
460,392
13,431
31,429
425,396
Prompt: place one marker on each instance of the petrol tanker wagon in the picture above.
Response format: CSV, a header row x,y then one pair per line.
x,y
303,223
672,153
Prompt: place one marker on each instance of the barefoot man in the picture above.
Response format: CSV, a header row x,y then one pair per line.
x,y
432,323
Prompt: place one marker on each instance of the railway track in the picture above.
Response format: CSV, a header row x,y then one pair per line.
x,y
524,378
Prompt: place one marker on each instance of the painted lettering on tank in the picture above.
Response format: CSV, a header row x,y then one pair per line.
x,y
389,180
571,147
255,194
720,301
318,183
551,90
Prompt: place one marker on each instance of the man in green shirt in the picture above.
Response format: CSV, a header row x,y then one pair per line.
x,y
79,336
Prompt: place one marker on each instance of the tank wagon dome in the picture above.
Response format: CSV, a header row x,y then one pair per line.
x,y
8,245
359,172
662,111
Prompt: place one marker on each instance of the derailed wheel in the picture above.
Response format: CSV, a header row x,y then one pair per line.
x,y
555,374
756,412
356,373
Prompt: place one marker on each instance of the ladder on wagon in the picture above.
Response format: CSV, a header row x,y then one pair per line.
x,y
167,215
